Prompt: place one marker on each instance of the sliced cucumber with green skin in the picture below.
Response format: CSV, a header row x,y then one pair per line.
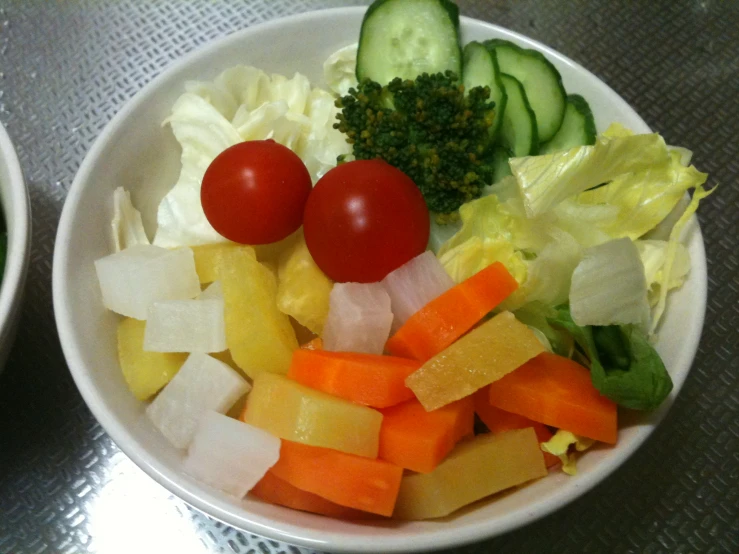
x,y
480,69
540,79
578,127
405,38
518,132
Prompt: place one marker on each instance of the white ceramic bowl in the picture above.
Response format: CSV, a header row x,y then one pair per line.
x,y
136,152
17,214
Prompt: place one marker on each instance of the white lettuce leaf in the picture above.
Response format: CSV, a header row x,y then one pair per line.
x,y
242,103
339,70
609,286
653,254
128,228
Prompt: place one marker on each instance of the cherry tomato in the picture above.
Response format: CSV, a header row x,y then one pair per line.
x,y
363,220
255,192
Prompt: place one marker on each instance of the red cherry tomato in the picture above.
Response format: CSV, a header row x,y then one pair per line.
x,y
255,192
364,219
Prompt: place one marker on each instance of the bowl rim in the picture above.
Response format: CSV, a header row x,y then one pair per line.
x,y
214,506
16,202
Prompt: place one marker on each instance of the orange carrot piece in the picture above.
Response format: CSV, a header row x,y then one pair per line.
x,y
369,379
556,391
315,344
446,318
419,440
500,421
277,491
357,482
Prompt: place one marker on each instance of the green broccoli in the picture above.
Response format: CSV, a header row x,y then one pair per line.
x,y
429,129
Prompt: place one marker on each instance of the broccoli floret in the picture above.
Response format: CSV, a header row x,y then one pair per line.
x,y
428,128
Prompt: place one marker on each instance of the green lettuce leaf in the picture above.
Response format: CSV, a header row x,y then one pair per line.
x,y
623,365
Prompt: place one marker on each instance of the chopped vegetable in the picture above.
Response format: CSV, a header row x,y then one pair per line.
x,y
259,336
623,365
354,481
208,258
372,380
418,440
435,132
201,385
443,320
364,219
359,318
499,421
186,326
609,286
302,288
295,412
415,284
559,445
271,488
557,391
145,372
230,455
339,70
133,279
485,354
128,228
475,469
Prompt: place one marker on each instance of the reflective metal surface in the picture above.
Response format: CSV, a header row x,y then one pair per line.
x,y
67,67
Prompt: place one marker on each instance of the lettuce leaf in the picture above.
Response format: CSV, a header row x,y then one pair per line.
x,y
547,180
559,445
623,365
339,70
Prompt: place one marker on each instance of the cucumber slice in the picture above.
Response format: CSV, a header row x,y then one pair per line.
x,y
480,69
540,79
518,132
404,38
578,127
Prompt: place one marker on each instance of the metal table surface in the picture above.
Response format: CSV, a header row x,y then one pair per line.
x,y
67,67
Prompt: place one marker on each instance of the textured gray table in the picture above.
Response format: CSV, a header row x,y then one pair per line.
x,y
67,67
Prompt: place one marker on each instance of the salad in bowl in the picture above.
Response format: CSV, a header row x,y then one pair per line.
x,y
357,289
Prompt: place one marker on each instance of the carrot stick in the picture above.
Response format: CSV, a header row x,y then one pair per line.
x,y
556,391
366,484
446,318
419,440
277,491
500,421
369,379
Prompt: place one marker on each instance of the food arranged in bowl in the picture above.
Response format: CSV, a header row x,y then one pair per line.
x,y
389,301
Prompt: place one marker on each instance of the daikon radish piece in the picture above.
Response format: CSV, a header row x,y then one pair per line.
x,y
415,284
359,318
133,279
202,384
230,455
186,326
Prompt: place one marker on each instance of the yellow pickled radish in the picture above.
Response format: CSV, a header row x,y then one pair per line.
x,y
145,372
476,468
207,258
480,357
298,413
259,336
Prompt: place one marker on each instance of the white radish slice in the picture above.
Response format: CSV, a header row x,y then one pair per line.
x,y
202,384
415,284
359,318
230,455
186,326
133,279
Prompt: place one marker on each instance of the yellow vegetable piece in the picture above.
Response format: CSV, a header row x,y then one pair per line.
x,y
259,336
480,357
302,288
559,446
145,372
208,256
475,469
298,413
